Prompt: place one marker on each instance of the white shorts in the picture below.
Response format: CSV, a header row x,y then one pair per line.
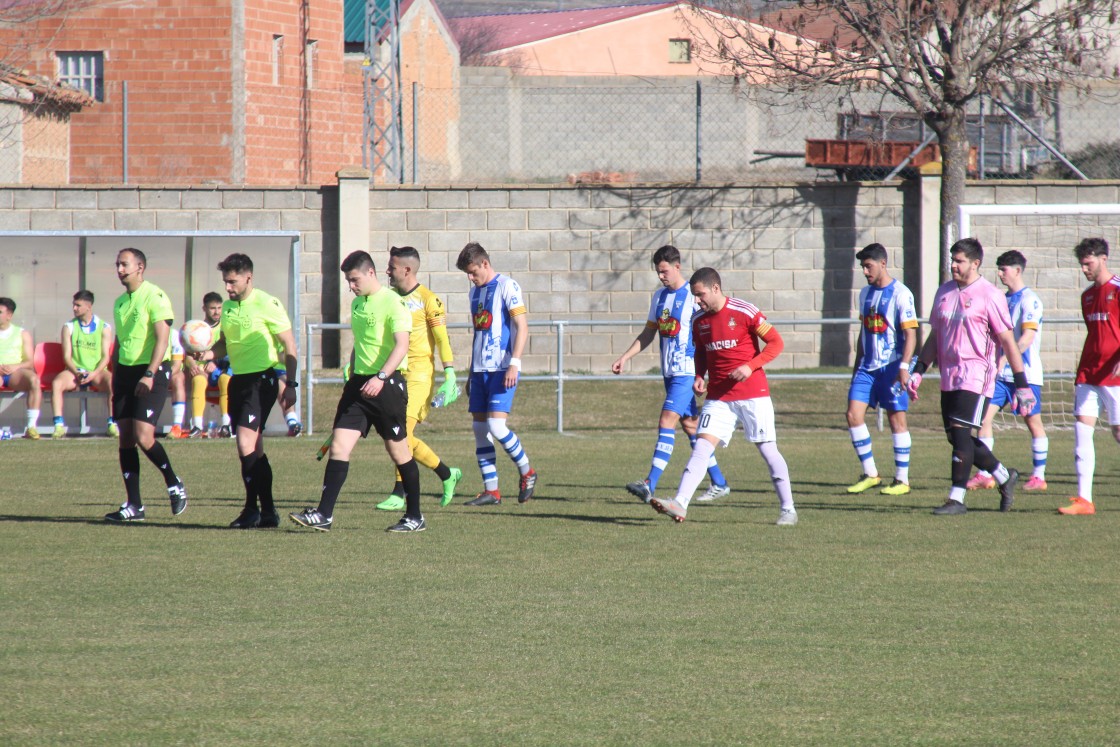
x,y
719,418
1088,398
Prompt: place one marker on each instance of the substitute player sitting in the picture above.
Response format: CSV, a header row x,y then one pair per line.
x,y
17,365
207,374
733,342
1026,320
887,337
87,344
670,318
429,332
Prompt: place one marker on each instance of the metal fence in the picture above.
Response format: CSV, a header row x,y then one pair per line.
x,y
1062,347
501,128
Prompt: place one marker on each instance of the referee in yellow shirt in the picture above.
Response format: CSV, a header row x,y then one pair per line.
x,y
252,323
429,333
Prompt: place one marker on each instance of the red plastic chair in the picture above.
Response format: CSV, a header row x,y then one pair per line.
x,y
48,363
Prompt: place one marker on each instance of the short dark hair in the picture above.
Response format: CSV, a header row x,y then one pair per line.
x,y
359,260
667,253
969,247
706,276
84,295
472,254
238,263
1095,247
876,252
140,257
406,252
1013,258
8,304
211,297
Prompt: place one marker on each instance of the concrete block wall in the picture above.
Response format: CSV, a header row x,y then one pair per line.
x,y
583,253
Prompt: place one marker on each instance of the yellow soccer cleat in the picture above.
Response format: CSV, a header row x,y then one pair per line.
x,y
898,487
866,482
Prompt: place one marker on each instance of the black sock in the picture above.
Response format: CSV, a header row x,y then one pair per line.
x,y
263,480
410,476
398,488
248,468
130,471
983,457
443,472
333,478
963,456
159,458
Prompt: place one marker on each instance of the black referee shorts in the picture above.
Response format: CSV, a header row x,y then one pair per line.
x,y
127,406
251,398
386,412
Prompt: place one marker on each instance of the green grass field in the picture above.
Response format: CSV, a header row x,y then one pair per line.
x,y
581,617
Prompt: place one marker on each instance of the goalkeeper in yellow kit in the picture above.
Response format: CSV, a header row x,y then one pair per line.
x,y
429,333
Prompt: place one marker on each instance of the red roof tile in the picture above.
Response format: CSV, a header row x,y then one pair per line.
x,y
514,29
24,88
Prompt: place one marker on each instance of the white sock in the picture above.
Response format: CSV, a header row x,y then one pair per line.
x,y
957,494
291,418
1040,449
695,470
225,419
1084,459
779,473
196,422
32,418
902,444
990,442
861,441
178,412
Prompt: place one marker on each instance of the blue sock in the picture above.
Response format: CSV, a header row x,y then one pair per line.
x,y
60,421
662,453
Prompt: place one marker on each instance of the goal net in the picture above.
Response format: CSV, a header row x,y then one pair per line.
x,y
1046,235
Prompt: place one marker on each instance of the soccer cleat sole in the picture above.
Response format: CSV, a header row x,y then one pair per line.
x,y
316,527
661,508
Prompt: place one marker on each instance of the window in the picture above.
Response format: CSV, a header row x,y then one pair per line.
x,y
84,70
310,51
680,50
277,59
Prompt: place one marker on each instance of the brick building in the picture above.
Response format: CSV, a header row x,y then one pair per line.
x,y
205,91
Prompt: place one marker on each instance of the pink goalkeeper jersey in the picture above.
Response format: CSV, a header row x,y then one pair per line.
x,y
967,322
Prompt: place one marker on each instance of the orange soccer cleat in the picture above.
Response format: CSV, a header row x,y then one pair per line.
x,y
1078,507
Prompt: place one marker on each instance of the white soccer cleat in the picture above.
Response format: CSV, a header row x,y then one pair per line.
x,y
715,491
787,518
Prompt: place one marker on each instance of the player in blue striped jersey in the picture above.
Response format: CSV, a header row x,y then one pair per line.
x,y
1026,321
501,335
887,338
670,319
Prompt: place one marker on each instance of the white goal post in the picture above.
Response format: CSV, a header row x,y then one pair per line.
x,y
1046,234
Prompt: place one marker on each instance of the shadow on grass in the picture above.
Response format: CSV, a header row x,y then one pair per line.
x,y
98,521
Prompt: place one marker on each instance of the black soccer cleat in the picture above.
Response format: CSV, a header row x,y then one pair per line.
x,y
408,524
312,519
1007,490
950,508
177,494
249,518
126,514
528,484
269,520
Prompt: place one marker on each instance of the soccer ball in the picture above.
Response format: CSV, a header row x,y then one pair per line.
x,y
196,336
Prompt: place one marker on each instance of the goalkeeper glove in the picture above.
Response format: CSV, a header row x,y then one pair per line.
x,y
1024,401
448,392
912,386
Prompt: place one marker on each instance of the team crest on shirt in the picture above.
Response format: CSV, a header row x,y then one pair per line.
x,y
483,319
876,324
731,323
667,325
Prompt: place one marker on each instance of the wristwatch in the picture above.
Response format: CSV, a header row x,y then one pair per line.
x,y
382,375
149,374
293,384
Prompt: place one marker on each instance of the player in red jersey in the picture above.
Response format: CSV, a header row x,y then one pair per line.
x,y
1098,372
733,342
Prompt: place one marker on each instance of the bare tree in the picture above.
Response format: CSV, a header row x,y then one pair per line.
x,y
478,40
934,56
23,24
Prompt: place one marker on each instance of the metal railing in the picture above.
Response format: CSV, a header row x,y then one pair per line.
x,y
560,376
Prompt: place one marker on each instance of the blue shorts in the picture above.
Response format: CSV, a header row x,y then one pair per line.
x,y
4,381
1005,395
874,388
489,393
678,396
